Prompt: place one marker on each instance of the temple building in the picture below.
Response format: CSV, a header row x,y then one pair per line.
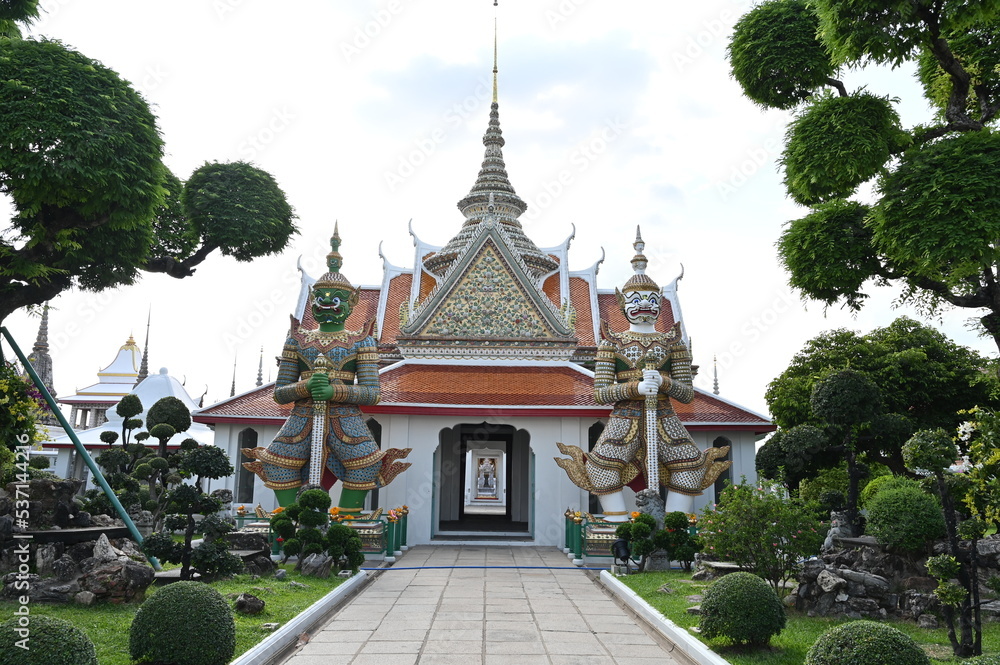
x,y
486,346
89,405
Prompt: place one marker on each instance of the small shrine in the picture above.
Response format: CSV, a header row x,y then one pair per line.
x,y
89,406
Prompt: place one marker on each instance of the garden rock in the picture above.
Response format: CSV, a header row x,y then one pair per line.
x,y
45,556
247,603
65,568
39,590
928,621
317,565
280,574
85,598
829,581
118,581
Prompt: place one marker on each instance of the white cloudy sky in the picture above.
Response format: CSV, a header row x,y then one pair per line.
x,y
372,113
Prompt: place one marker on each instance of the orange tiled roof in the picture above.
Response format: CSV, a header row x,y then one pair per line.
x,y
494,387
579,295
399,292
551,289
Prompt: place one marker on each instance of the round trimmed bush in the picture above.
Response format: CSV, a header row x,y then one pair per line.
x,y
865,643
889,482
187,623
982,660
50,641
742,607
905,518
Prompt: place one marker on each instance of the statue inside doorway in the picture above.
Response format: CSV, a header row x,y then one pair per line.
x,y
328,373
644,444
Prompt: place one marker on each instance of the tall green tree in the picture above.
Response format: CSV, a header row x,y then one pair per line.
x,y
81,162
934,223
923,381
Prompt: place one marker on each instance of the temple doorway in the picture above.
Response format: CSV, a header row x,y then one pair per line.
x,y
483,482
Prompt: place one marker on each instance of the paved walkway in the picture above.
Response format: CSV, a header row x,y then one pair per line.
x,y
427,609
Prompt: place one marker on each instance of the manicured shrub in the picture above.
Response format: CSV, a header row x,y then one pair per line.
x,y
742,607
865,643
185,623
905,518
50,642
879,483
982,660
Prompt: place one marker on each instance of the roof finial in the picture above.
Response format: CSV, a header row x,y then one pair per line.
x,y
715,370
260,369
494,54
144,364
232,391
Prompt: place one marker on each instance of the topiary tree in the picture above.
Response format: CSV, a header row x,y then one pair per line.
x,y
45,641
741,607
212,557
304,528
920,231
167,411
887,482
865,643
93,203
184,622
905,518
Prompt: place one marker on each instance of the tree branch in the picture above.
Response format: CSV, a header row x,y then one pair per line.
x,y
834,83
179,269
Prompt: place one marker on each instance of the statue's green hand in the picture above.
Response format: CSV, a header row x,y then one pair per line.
x,y
319,387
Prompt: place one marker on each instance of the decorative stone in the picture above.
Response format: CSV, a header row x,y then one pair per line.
x,y
280,574
694,609
317,565
828,582
65,568
922,584
45,556
118,581
105,552
247,603
927,621
298,585
84,598
258,565
665,589
270,627
6,528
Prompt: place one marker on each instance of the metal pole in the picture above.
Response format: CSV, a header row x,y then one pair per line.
x,y
88,460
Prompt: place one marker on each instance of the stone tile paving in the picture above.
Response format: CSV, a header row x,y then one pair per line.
x,y
429,610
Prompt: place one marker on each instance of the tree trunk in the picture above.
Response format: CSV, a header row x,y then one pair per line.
x,y
853,481
186,557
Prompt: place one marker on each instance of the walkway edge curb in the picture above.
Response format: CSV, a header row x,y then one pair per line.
x,y
687,643
286,635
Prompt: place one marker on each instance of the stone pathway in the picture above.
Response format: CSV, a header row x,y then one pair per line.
x,y
427,609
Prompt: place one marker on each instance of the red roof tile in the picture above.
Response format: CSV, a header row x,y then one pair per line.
x,y
399,292
579,295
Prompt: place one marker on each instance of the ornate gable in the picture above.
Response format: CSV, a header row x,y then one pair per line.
x,y
487,306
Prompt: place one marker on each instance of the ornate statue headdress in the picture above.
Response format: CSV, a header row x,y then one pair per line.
x,y
332,279
640,281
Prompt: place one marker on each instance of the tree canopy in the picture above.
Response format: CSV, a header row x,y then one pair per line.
x,y
935,219
82,163
923,380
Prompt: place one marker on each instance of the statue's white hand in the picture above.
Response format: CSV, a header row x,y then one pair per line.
x,y
650,383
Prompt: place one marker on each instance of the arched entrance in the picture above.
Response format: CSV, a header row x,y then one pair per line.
x,y
483,482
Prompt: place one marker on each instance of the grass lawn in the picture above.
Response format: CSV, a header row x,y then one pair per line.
x,y
107,625
791,645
